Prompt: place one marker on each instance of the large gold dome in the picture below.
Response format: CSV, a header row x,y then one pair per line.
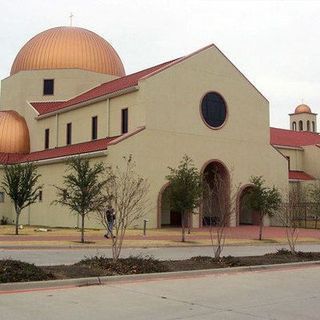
x,y
14,133
68,47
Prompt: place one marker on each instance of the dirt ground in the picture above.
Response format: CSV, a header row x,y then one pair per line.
x,y
125,266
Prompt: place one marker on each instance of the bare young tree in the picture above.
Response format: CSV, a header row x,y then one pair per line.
x,y
128,194
219,203
314,197
290,214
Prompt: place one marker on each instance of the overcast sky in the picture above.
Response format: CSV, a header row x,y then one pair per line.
x,y
276,44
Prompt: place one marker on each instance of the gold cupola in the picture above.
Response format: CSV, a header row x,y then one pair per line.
x,y
68,48
302,108
14,133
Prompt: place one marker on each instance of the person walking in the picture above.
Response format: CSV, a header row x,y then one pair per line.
x,y
110,217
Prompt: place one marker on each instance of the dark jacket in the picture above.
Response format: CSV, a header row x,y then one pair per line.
x,y
110,215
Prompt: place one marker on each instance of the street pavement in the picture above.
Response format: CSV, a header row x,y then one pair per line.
x,y
69,256
274,294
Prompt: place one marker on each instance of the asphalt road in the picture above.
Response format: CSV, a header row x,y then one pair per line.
x,y
278,295
69,256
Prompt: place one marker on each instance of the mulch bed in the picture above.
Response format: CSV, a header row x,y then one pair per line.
x,y
17,271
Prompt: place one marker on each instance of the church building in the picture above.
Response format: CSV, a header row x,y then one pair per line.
x,y
68,94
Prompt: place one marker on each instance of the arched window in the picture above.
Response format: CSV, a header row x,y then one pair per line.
x,y
294,126
300,125
313,126
308,125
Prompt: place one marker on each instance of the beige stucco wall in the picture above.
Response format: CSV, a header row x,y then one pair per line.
x,y
6,208
173,99
28,86
37,129
311,161
296,157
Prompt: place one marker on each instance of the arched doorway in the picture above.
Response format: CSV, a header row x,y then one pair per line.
x,y
216,197
166,216
246,215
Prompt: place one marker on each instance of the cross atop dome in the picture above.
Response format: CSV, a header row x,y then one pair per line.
x,y
71,17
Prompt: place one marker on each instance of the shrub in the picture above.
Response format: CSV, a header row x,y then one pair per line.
x,y
4,220
18,271
202,259
131,265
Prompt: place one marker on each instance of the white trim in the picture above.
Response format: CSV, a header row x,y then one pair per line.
x,y
31,106
287,147
298,180
126,136
100,153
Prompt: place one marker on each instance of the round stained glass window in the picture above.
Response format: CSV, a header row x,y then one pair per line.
x,y
213,109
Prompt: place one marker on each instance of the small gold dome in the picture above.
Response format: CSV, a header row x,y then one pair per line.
x,y
68,48
302,108
14,133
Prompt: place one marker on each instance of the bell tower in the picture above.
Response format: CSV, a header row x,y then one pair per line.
x,y
303,119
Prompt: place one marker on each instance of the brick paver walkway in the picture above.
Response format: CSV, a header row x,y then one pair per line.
x,y
242,232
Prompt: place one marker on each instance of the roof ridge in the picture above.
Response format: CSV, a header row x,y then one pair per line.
x,y
181,59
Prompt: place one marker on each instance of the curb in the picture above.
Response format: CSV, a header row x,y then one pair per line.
x,y
91,281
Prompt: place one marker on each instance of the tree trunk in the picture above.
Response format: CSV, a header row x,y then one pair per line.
x,y
189,222
261,226
183,227
17,222
82,228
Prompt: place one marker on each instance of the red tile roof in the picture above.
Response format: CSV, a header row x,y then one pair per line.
x,y
299,175
290,138
104,89
50,104
74,149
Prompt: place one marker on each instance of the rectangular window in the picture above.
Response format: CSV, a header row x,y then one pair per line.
x,y
48,87
69,133
40,196
124,120
46,138
288,158
94,127
1,196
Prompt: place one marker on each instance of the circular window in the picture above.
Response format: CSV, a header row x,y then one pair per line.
x,y
213,109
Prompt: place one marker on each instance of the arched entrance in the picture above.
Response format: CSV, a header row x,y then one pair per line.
x,y
246,216
216,197
166,216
